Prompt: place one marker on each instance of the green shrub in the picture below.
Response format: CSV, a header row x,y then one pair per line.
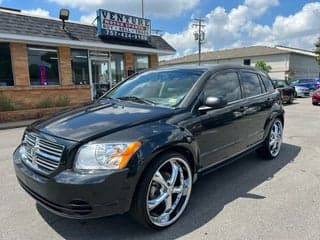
x,y
19,105
62,101
46,103
5,103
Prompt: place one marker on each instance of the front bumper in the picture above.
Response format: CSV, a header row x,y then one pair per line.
x,y
315,100
75,195
302,94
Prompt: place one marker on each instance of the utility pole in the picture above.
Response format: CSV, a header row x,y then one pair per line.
x,y
142,8
199,35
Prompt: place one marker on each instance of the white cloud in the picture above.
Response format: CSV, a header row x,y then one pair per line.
x,y
238,28
151,7
38,12
88,18
258,7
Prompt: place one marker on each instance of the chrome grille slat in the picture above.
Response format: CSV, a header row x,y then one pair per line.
x,y
42,154
48,160
53,146
30,140
49,151
57,151
45,164
48,156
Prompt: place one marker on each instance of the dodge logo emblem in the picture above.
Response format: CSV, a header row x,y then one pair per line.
x,y
34,151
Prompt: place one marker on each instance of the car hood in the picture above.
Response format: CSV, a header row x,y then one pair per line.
x,y
99,119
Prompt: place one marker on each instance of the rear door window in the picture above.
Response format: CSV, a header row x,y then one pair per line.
x,y
251,84
225,85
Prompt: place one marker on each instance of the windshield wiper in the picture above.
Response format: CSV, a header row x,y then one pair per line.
x,y
137,99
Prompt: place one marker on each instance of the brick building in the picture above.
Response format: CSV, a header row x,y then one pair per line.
x,y
38,58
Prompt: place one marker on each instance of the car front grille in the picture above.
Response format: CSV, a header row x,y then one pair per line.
x,y
41,154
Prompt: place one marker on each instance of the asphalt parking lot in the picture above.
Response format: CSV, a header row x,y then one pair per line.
x,y
249,199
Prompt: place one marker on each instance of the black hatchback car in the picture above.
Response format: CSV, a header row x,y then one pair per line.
x,y
142,145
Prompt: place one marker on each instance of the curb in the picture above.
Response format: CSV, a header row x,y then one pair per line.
x,y
18,124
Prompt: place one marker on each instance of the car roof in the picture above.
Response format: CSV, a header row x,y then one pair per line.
x,y
314,79
211,67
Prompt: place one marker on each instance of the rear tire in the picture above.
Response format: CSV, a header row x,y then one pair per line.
x,y
272,145
163,191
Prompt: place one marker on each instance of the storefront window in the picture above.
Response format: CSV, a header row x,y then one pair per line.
x,y
117,67
43,66
79,64
141,62
6,78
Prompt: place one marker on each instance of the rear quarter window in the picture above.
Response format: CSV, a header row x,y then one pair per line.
x,y
267,83
251,84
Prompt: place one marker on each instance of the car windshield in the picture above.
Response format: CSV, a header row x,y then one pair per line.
x,y
160,87
281,83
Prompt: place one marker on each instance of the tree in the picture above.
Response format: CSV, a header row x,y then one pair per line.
x,y
317,51
262,65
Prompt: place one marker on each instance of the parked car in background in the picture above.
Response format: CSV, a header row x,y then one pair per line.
x,y
287,92
316,97
142,145
301,91
310,83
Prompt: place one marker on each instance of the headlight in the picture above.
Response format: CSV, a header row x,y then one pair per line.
x,y
20,154
105,155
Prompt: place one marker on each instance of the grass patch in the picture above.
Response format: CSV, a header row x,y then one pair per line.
x,y
47,102
62,101
5,103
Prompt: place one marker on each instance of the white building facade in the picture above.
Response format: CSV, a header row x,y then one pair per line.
x,y
286,63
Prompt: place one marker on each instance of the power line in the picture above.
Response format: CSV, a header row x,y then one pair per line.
x,y
199,35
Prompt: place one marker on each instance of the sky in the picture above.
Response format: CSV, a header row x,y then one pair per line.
x,y
229,24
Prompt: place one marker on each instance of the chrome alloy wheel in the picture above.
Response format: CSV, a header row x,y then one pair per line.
x,y
275,139
169,192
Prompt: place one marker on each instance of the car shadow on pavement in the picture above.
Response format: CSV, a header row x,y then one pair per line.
x,y
210,194
291,104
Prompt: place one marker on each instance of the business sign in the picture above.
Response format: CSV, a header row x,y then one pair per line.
x,y
117,25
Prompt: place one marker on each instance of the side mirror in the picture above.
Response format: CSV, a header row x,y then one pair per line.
x,y
213,103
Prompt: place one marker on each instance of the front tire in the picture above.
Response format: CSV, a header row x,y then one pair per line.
x,y
290,101
272,144
163,192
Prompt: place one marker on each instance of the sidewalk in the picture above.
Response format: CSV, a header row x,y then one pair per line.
x,y
17,124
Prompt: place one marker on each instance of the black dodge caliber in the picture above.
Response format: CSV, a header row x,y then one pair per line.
x,y
142,145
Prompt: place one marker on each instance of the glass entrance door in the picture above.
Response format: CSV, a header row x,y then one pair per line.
x,y
100,77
